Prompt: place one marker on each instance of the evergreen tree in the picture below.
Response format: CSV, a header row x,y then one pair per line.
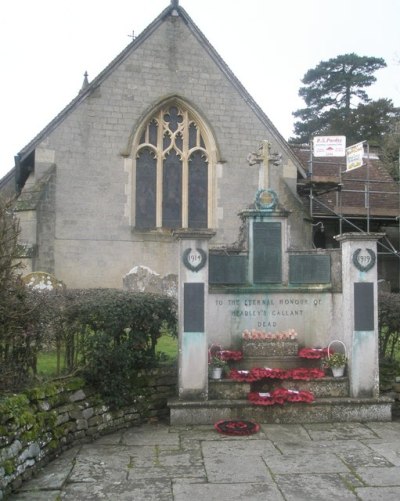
x,y
334,94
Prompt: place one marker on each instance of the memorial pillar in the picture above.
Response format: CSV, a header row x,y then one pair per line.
x,y
360,311
192,313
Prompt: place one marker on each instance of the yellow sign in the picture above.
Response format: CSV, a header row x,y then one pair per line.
x,y
354,156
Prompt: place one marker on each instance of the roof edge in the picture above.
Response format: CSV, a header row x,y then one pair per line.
x,y
83,94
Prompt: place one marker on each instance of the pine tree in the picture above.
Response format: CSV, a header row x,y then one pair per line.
x,y
335,97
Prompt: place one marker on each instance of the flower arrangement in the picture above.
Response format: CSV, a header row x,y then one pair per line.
x,y
335,360
217,362
261,335
218,357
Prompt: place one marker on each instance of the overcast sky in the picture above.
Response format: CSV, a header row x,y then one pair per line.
x,y
47,45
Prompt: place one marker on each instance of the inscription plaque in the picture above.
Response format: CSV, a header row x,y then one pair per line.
x,y
267,265
227,269
309,269
193,307
364,306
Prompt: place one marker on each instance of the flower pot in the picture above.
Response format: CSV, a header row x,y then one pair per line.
x,y
338,371
216,373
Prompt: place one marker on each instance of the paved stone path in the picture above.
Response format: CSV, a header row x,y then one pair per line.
x,y
344,461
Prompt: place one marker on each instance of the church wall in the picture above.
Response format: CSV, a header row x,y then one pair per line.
x,y
94,241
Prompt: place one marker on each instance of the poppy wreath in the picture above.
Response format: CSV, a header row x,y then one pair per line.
x,y
306,374
264,373
258,374
242,376
257,398
300,396
280,396
236,427
313,353
230,355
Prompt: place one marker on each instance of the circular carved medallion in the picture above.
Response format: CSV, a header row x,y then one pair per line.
x,y
364,262
194,261
266,200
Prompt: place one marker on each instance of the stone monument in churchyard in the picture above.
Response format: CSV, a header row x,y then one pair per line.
x,y
323,295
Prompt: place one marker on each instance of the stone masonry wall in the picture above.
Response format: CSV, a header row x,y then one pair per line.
x,y
92,149
40,424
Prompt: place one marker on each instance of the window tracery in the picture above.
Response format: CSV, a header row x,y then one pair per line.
x,y
173,172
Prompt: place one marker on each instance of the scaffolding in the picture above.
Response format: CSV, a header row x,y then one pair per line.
x,y
336,194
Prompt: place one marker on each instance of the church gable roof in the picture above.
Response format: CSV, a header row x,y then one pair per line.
x,y
174,9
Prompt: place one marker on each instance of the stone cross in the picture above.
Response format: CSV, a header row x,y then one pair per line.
x,y
264,157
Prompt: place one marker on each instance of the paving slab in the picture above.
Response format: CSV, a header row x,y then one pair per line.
x,y
227,492
305,463
388,431
375,493
55,474
226,468
378,476
356,459
240,448
343,461
340,431
314,487
286,432
321,446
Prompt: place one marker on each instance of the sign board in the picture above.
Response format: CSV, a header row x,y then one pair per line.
x,y
354,156
329,146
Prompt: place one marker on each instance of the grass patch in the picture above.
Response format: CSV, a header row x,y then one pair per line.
x,y
47,361
168,345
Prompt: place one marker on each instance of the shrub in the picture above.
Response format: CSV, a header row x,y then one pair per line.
x,y
389,325
389,338
20,331
115,333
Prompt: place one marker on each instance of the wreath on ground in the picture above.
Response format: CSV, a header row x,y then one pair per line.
x,y
236,427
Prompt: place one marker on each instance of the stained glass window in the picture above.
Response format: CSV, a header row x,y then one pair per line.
x,y
198,185
146,186
172,172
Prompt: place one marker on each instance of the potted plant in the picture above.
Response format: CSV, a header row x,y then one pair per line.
x,y
337,363
217,367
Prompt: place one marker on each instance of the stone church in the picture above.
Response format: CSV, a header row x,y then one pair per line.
x,y
164,138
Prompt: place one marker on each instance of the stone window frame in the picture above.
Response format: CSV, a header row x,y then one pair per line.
x,y
190,115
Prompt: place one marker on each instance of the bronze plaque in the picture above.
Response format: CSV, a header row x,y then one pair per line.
x,y
267,245
309,269
227,269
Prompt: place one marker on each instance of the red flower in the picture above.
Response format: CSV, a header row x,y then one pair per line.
x,y
242,376
306,374
313,353
231,355
261,398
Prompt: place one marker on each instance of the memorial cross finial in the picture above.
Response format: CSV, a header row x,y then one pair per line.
x,y
264,158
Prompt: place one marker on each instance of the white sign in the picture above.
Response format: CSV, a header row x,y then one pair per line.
x,y
354,156
329,146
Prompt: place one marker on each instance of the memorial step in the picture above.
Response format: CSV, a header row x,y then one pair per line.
x,y
326,387
227,389
322,410
275,362
321,388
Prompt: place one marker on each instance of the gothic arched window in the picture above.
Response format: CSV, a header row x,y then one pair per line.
x,y
173,172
